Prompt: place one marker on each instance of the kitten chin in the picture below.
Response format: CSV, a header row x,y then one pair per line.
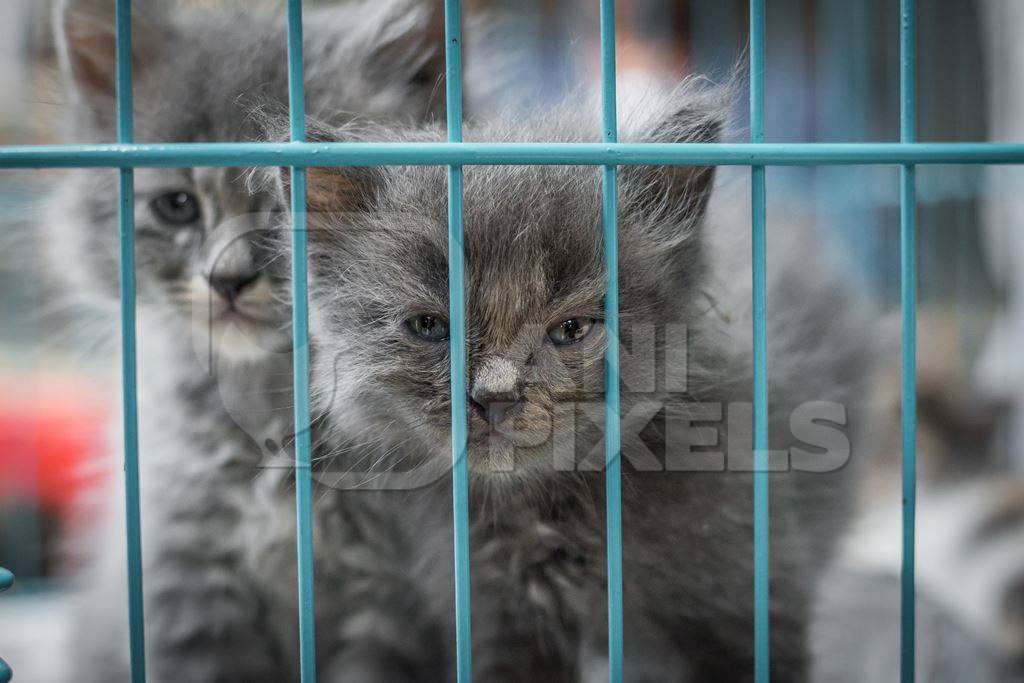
x,y
249,330
241,343
237,341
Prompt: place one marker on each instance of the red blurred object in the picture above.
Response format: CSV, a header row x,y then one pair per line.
x,y
53,434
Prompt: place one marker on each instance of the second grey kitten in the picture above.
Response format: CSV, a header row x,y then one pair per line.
x,y
214,359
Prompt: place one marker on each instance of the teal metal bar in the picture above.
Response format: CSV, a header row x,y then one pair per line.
x,y
243,155
300,355
908,306
457,342
612,426
762,649
6,581
126,218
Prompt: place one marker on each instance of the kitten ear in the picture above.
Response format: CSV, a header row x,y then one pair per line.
x,y
409,46
677,193
333,197
87,39
330,190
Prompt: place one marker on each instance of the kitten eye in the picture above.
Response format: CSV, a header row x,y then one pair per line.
x,y
430,328
176,208
570,331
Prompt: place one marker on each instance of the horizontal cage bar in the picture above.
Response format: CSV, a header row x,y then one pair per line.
x,y
184,155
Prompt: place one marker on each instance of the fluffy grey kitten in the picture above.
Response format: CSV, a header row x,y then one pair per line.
x,y
215,365
535,289
197,75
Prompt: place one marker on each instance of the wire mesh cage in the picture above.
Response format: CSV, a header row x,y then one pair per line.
x,y
609,154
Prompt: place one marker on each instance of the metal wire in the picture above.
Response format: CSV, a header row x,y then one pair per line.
x,y
762,649
6,581
457,343
908,352
612,426
300,356
243,155
126,219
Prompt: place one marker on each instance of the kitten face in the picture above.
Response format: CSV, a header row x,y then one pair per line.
x,y
201,254
535,290
200,232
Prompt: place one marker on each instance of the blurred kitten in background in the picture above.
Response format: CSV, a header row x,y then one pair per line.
x,y
214,343
970,537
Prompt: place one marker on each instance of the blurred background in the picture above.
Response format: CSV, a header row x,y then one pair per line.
x,y
832,76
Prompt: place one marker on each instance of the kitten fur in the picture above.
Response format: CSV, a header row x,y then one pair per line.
x,y
533,250
969,523
214,380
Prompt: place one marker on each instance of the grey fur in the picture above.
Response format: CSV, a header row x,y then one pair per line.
x,y
533,249
215,420
857,639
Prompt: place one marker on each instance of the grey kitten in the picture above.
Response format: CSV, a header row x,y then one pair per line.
x,y
535,290
215,364
196,77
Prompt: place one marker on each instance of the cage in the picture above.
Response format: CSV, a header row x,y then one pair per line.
x,y
907,154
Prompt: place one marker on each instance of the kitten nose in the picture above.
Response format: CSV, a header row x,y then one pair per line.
x,y
231,285
493,406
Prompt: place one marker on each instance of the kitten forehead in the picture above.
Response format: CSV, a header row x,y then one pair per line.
x,y
532,235
533,242
153,180
531,255
531,238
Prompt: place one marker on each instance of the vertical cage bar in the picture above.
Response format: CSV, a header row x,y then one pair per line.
x,y
300,357
612,435
126,217
457,341
762,648
908,352
6,581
